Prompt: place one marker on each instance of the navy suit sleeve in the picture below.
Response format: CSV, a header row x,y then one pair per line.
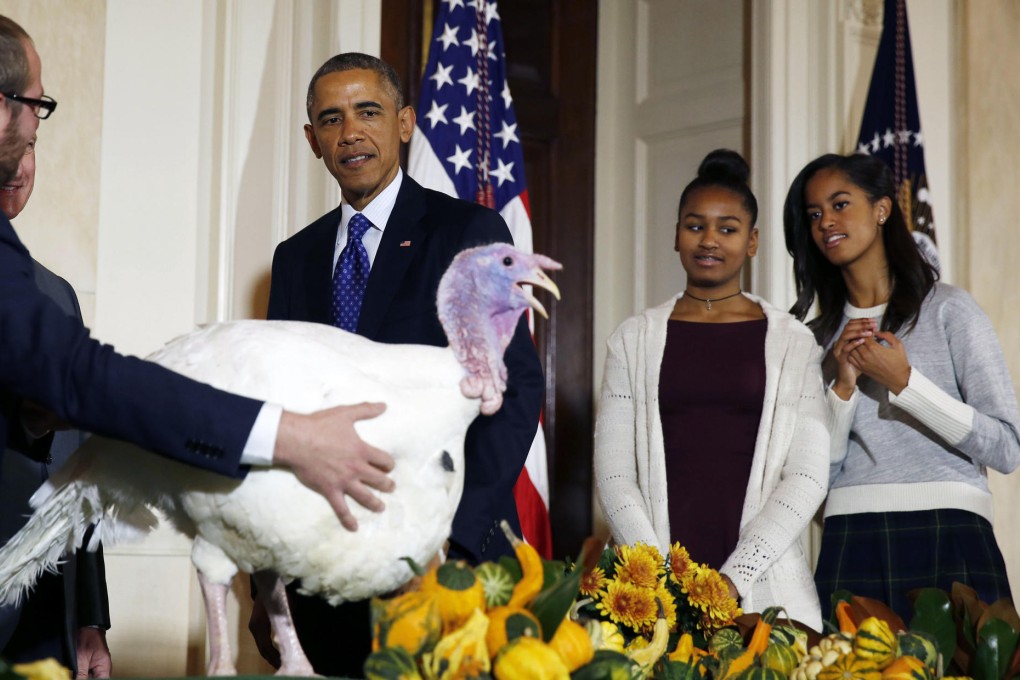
x,y
497,446
279,308
48,357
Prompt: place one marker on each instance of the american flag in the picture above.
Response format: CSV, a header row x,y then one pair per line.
x,y
891,127
467,145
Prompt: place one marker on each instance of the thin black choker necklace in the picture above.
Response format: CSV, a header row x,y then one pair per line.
x,y
708,302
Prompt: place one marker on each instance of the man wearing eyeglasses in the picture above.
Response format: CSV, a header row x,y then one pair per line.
x,y
41,107
49,358
67,613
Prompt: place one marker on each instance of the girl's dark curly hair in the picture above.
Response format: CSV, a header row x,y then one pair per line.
x,y
911,276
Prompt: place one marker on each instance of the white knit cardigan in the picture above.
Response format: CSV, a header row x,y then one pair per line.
x,y
789,471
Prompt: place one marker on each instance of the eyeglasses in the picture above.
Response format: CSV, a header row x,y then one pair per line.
x,y
42,107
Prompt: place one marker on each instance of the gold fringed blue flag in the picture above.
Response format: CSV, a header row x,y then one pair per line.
x,y
891,127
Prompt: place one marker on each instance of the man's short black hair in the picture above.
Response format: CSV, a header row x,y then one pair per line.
x,y
351,61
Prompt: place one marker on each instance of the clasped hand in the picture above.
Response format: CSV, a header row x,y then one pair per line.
x,y
862,349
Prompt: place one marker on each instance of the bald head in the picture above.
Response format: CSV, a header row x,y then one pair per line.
x,y
20,74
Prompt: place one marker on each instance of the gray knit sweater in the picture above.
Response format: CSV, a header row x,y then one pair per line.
x,y
927,447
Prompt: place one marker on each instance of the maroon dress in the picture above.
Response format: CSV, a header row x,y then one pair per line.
x,y
711,389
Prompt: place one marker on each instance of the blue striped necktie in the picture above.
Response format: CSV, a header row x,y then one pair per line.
x,y
350,276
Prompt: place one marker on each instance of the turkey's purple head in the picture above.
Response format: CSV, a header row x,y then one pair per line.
x,y
481,298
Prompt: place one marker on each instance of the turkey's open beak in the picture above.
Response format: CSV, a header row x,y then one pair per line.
x,y
538,278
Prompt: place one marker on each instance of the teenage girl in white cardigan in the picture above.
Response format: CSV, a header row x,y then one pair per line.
x,y
712,418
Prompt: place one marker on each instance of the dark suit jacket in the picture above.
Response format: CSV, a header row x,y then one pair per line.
x,y
400,307
46,623
48,356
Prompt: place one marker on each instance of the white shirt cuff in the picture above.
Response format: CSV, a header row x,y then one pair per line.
x,y
949,418
258,450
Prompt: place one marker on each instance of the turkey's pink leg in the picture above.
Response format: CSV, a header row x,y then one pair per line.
x,y
215,596
274,596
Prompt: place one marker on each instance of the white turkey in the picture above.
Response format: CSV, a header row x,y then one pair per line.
x,y
270,524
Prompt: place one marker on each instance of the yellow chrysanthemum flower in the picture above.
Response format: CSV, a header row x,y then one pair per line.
x,y
639,565
653,554
680,564
704,587
721,612
593,583
629,605
668,605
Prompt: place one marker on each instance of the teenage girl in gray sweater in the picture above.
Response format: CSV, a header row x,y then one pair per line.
x,y
921,400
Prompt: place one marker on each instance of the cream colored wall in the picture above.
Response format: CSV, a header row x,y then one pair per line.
x,y
60,224
989,189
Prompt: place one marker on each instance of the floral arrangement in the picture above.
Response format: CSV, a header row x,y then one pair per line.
x,y
629,613
629,584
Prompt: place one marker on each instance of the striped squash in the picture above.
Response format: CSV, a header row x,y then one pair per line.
x,y
875,642
921,645
756,673
850,667
726,642
906,668
780,658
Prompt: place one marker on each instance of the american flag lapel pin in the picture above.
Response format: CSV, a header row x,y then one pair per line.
x,y
405,244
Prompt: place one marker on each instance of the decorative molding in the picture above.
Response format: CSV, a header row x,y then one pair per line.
x,y
794,118
283,121
866,13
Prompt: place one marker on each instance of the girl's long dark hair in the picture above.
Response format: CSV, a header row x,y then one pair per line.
x,y
911,276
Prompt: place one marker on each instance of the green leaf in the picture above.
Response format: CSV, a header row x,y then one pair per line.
x,y
553,603
552,571
933,614
996,642
512,566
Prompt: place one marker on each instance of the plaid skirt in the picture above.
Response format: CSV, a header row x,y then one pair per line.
x,y
885,555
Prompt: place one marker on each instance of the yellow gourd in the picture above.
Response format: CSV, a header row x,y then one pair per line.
x,y
457,593
461,654
686,652
573,645
529,659
849,667
46,669
648,655
506,624
532,574
410,621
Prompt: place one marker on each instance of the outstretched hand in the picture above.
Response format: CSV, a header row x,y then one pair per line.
x,y
855,334
885,364
325,452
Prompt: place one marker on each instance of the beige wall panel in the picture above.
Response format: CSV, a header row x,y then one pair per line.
x,y
990,174
60,224
669,163
690,100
